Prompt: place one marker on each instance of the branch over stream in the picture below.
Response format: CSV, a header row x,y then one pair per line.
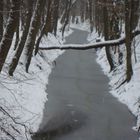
x,y
95,45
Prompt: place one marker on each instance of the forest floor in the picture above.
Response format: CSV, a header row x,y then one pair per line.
x,y
23,96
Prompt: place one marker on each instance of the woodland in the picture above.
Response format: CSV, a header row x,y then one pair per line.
x,y
36,18
26,22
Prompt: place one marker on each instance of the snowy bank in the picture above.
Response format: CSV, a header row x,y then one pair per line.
x,y
22,96
128,93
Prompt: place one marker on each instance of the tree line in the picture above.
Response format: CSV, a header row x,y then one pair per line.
x,y
33,19
111,19
30,20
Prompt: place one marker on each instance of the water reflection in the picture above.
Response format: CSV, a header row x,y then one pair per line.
x,y
61,125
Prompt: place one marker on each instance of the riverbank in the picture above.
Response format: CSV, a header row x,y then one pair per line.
x,y
128,93
23,96
79,104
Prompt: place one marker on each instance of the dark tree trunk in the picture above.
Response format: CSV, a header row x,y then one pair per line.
x,y
46,27
1,19
31,38
91,14
56,16
106,34
129,71
68,8
17,30
22,41
9,32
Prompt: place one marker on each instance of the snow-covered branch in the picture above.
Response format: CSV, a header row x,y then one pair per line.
x,y
90,46
85,46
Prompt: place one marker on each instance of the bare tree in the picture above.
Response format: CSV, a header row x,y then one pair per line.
x,y
31,38
1,19
106,34
9,31
22,41
55,15
46,26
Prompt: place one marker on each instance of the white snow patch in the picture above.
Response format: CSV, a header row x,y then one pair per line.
x,y
23,95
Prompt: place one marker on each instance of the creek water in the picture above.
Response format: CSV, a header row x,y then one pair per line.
x,y
79,105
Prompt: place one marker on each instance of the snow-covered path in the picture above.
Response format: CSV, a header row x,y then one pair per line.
x,y
79,105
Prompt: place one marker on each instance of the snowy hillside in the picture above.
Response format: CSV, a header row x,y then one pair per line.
x,y
127,93
25,93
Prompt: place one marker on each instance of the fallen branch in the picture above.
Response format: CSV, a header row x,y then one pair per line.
x,y
14,121
85,46
7,133
90,46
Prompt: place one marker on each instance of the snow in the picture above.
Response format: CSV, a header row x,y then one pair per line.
x,y
23,96
91,45
128,93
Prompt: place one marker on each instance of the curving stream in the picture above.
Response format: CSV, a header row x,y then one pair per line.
x,y
79,105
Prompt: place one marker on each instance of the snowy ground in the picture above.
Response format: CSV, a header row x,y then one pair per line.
x,y
22,96
128,93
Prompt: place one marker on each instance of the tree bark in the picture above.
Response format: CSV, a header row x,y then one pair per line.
x,y
31,38
17,30
22,41
68,8
46,27
56,16
106,34
9,32
1,19
129,71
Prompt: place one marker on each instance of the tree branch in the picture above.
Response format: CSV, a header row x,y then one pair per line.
x,y
90,46
7,133
13,119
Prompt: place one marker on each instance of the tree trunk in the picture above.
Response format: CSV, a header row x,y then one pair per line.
x,y
106,34
55,16
31,38
91,14
46,27
21,44
129,71
68,8
17,30
1,19
9,32
128,32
